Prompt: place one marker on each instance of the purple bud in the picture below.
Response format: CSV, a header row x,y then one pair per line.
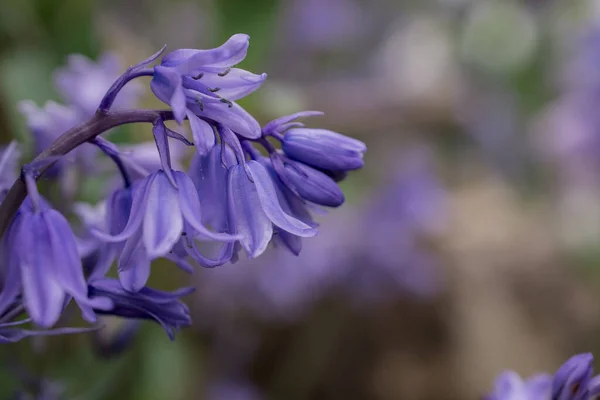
x,y
310,184
324,149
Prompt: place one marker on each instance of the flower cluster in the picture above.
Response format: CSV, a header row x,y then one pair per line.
x,y
391,261
574,380
240,191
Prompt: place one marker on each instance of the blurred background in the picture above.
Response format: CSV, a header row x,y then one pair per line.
x,y
469,243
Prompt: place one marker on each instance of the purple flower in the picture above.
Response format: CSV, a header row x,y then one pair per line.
x,y
49,122
83,83
323,149
201,83
309,184
40,254
572,381
146,303
46,125
254,208
9,159
510,386
572,378
155,213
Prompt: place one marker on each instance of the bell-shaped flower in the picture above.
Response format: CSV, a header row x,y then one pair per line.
x,y
292,205
310,184
162,307
324,149
42,261
83,83
159,212
201,83
254,208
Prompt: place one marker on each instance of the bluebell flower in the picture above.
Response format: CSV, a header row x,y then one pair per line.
x,y
254,208
150,218
163,307
41,258
510,386
319,148
83,83
201,83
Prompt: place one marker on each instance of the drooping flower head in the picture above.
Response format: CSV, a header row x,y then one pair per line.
x,y
42,262
202,83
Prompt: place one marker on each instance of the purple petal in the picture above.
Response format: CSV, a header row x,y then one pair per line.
x,y
274,125
134,265
210,179
237,84
190,61
68,269
235,118
43,294
270,203
246,213
163,222
190,208
167,86
203,134
224,255
138,210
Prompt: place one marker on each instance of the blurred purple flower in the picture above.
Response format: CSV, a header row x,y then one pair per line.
x,y
572,381
325,24
232,390
510,386
9,162
572,378
83,83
